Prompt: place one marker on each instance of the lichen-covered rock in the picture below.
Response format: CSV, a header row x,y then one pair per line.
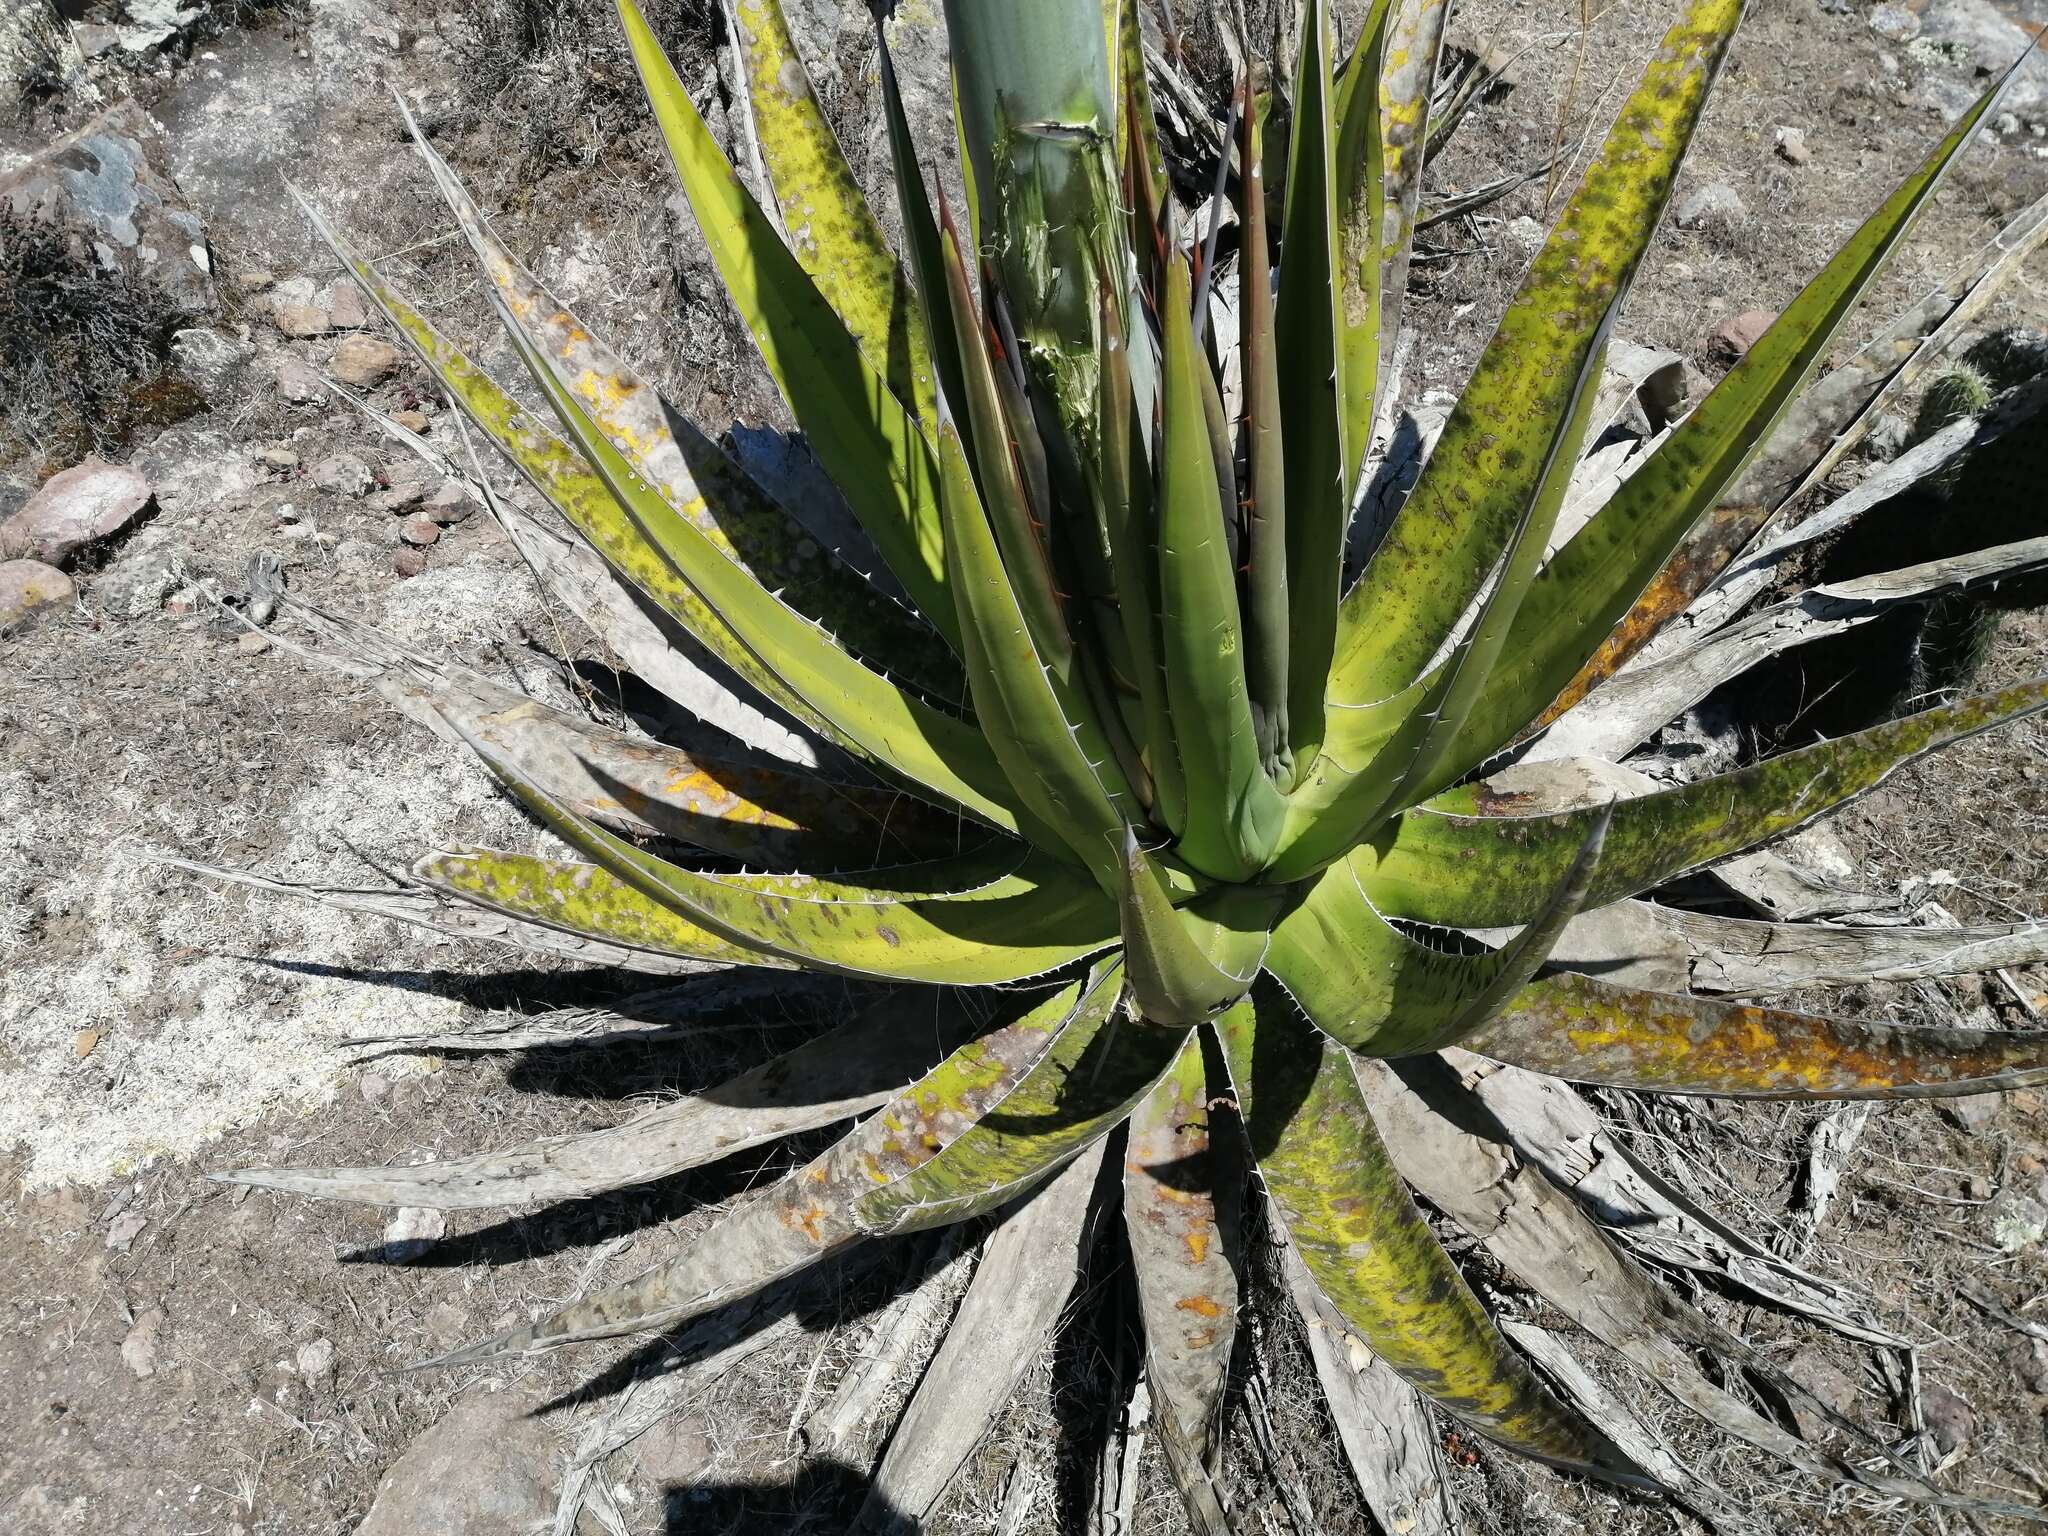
x,y
486,1468
28,585
106,188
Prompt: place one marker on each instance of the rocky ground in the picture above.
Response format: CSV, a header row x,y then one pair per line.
x,y
183,1357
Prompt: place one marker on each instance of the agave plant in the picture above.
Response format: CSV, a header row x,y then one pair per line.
x,y
1168,833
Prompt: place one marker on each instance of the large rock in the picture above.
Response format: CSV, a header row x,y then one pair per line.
x,y
104,188
27,585
1981,38
82,505
485,1469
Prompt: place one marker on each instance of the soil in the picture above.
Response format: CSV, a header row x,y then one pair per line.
x,y
156,1027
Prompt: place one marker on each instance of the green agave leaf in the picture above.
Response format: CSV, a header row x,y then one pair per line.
x,y
1184,966
1084,1087
1594,1032
813,1213
1368,1248
581,898
1620,569
691,473
1055,762
971,920
831,228
1415,731
1513,425
1475,858
942,756
898,732
1233,810
1124,507
1375,990
1181,1219
864,437
1308,325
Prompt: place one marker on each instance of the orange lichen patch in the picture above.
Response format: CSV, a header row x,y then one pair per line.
x,y
1589,1031
1202,1306
1198,1245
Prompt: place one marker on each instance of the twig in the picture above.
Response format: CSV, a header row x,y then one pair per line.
x,y
1985,1303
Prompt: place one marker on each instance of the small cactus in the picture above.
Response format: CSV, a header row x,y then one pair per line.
x,y
2008,357
1961,391
1922,651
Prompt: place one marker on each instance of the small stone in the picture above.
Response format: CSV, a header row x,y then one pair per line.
x,y
27,586
362,361
376,1087
300,321
2017,1221
345,308
2031,1365
1524,235
82,505
1949,1419
2006,124
299,381
253,643
1733,338
124,1229
84,1043
1972,1112
255,280
419,530
412,421
95,41
452,503
1826,1381
1714,203
316,1362
398,498
446,1324
278,458
1791,146
412,1230
1894,23
139,1349
341,472
409,562
148,569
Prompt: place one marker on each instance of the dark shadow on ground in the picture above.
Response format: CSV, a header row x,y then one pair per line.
x,y
823,1496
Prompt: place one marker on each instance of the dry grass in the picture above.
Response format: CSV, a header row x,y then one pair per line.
x,y
83,352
